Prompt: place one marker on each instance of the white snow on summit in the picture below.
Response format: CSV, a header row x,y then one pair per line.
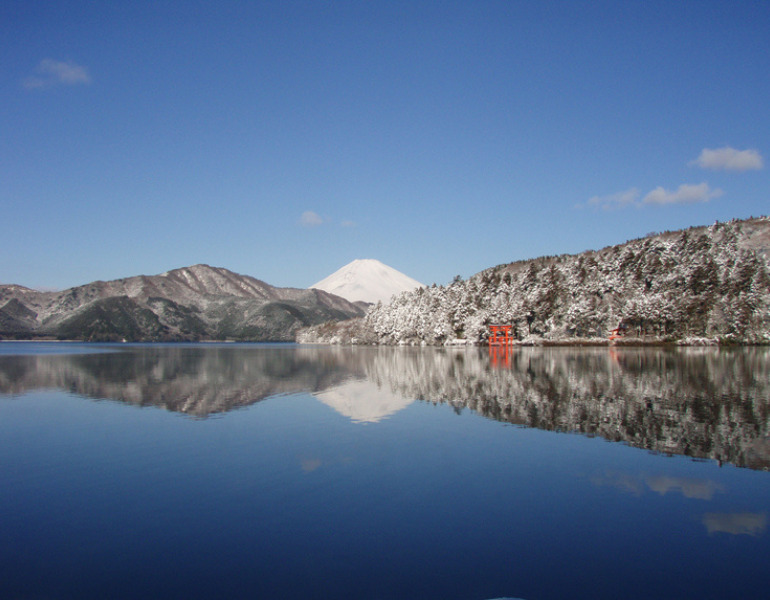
x,y
367,280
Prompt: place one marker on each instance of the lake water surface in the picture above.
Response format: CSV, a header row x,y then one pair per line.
x,y
283,471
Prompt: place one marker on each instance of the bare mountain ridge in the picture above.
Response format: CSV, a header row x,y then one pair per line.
x,y
198,302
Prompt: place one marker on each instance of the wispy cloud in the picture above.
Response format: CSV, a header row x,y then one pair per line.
x,y
729,159
621,199
51,73
684,194
310,219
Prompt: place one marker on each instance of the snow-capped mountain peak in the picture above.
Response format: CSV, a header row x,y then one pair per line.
x,y
367,280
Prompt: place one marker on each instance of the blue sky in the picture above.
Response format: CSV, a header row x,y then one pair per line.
x,y
285,139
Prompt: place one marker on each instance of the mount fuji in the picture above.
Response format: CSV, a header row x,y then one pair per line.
x,y
367,280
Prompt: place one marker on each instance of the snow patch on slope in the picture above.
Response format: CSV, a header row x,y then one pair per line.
x,y
367,280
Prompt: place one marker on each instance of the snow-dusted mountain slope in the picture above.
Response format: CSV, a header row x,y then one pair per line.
x,y
367,280
198,302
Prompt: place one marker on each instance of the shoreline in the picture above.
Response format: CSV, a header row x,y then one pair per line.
x,y
527,343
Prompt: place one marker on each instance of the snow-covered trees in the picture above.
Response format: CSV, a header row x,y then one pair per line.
x,y
705,282
699,282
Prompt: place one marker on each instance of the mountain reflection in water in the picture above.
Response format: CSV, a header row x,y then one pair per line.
x,y
700,402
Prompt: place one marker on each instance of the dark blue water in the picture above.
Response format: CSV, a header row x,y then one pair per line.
x,y
290,472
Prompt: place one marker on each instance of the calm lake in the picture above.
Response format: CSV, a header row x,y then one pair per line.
x,y
284,471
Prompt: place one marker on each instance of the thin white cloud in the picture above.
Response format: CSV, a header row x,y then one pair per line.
x,y
620,200
310,219
729,159
685,194
50,73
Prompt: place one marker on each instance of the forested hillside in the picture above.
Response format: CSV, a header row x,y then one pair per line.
x,y
708,282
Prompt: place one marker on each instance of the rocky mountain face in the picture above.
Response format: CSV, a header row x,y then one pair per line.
x,y
704,285
193,303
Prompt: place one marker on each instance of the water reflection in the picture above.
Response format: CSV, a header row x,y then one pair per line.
x,y
195,380
700,402
700,489
363,401
688,487
753,524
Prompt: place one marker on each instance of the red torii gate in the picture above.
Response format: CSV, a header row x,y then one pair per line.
x,y
500,344
501,335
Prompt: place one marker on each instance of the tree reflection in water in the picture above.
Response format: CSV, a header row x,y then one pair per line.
x,y
700,402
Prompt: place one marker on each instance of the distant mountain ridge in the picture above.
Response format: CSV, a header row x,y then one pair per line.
x,y
367,280
192,303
